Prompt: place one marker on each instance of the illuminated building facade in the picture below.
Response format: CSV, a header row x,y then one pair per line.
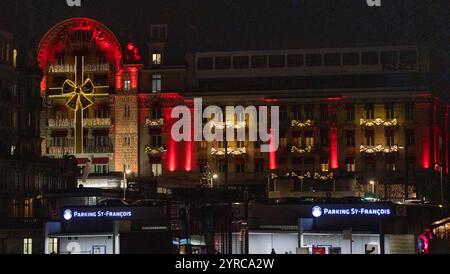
x,y
353,120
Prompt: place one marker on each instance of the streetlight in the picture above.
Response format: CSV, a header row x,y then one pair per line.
x,y
441,169
125,173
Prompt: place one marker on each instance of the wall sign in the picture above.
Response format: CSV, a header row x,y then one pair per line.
x,y
339,211
71,215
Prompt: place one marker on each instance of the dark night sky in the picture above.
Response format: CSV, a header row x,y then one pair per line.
x,y
253,24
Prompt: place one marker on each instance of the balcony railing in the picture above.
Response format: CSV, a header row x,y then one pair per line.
x,y
154,122
240,151
61,150
302,124
378,149
60,123
98,149
299,150
97,122
378,122
155,150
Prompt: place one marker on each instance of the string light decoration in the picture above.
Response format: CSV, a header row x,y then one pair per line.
x,y
154,122
378,149
378,122
298,150
229,124
324,177
231,151
301,124
154,150
308,175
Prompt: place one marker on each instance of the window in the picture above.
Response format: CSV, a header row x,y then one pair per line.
x,y
391,166
223,62
283,142
350,109
8,53
27,246
53,245
409,111
127,111
389,57
370,58
222,167
156,113
15,58
205,63
350,165
370,138
298,140
157,170
259,166
101,169
241,62
309,112
295,60
309,141
15,208
324,138
313,60
28,208
350,59
297,111
390,113
240,168
156,83
127,85
390,140
408,57
259,61
101,141
370,112
156,58
283,113
332,59
221,144
325,167
410,140
159,31
277,61
350,138
127,141
240,144
203,145
324,112
156,141
13,150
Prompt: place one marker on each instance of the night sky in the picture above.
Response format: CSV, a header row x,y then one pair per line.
x,y
250,24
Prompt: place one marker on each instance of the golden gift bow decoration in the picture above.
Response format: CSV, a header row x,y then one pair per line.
x,y
80,93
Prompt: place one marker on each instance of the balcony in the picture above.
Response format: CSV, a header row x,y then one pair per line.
x,y
220,152
154,123
378,122
299,150
97,122
98,149
62,123
378,149
61,150
154,151
302,124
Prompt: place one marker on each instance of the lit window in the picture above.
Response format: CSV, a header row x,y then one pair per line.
x,y
15,58
127,85
13,150
240,144
101,169
53,245
324,167
156,83
27,246
127,113
156,58
204,145
283,142
127,141
309,141
157,170
391,167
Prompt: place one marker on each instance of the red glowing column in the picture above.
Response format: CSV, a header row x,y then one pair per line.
x,y
334,157
44,84
118,79
189,150
446,139
273,153
134,78
171,154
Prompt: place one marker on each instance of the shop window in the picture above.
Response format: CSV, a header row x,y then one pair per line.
x,y
53,245
157,170
27,246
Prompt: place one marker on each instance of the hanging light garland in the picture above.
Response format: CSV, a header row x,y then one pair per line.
x,y
231,151
378,149
154,150
298,150
301,124
378,122
154,122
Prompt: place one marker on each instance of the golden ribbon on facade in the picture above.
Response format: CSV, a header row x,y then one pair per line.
x,y
78,94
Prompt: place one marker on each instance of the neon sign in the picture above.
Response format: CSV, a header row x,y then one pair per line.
x,y
70,215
